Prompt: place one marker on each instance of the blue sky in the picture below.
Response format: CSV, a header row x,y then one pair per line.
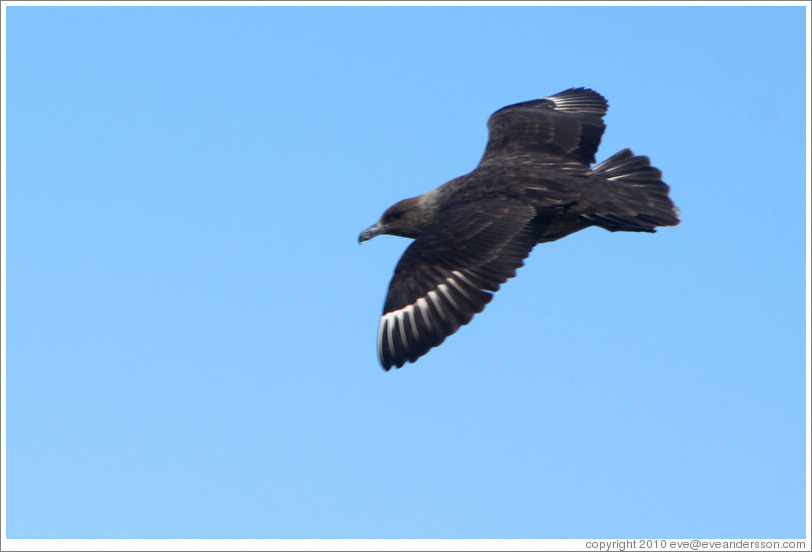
x,y
191,321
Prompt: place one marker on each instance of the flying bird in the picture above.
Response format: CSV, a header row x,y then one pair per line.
x,y
533,185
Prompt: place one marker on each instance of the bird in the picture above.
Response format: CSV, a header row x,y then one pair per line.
x,y
534,184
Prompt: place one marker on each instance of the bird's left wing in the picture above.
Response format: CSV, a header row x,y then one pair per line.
x,y
562,129
446,275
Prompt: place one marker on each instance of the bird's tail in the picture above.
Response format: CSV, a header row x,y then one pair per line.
x,y
630,195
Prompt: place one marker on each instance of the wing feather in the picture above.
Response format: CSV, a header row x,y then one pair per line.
x,y
449,273
564,129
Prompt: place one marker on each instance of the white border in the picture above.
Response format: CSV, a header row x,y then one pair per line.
x,y
564,545
808,277
3,276
373,544
416,3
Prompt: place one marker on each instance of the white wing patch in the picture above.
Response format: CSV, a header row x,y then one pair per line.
x,y
464,278
434,298
393,324
444,289
579,101
423,305
457,285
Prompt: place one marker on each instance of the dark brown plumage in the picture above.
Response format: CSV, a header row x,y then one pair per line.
x,y
534,184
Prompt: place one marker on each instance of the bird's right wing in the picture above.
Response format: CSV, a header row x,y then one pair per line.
x,y
447,274
564,128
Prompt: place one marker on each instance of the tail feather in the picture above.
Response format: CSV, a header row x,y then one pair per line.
x,y
630,195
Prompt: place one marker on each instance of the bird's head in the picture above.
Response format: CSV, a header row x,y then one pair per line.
x,y
406,218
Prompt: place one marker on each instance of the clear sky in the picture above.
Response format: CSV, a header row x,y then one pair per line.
x,y
192,323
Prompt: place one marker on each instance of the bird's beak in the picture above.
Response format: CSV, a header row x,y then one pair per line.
x,y
372,231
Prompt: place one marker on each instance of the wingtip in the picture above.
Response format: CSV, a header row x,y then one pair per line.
x,y
580,100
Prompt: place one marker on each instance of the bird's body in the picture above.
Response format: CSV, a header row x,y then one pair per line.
x,y
533,185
